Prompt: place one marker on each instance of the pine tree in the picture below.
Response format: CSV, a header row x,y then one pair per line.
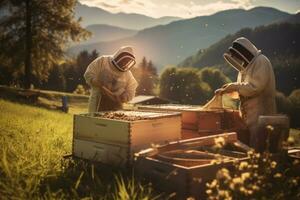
x,y
146,75
34,35
74,71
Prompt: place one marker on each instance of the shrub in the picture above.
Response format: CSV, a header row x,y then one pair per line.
x,y
261,177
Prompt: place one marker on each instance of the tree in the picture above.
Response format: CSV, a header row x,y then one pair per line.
x,y
34,35
56,80
184,85
287,73
213,77
146,75
295,111
74,71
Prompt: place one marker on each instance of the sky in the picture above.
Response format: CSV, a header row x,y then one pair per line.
x,y
187,8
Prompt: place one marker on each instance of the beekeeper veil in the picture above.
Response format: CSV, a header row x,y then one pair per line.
x,y
124,59
241,53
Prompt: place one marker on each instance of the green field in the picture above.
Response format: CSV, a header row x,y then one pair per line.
x,y
33,142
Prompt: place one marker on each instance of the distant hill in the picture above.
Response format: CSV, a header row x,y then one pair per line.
x,y
280,42
102,32
278,38
95,15
171,43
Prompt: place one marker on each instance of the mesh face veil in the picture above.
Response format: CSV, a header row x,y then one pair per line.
x,y
124,61
238,56
233,62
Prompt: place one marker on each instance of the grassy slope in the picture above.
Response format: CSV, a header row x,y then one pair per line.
x,y
33,142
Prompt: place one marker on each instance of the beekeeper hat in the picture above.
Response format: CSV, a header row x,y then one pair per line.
x,y
124,59
241,53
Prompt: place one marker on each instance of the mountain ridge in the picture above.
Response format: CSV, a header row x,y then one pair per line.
x,y
171,43
94,15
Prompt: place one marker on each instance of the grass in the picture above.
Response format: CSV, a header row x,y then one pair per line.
x,y
47,99
33,142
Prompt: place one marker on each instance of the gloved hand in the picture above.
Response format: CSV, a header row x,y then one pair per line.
x,y
118,98
227,88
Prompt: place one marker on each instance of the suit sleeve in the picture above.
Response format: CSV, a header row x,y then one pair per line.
x,y
257,80
93,71
130,88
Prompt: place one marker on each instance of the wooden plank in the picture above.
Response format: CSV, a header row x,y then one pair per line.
x,y
209,121
194,142
193,117
100,130
157,131
100,152
186,176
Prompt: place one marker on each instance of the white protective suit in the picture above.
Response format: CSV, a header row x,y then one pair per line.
x,y
121,83
255,85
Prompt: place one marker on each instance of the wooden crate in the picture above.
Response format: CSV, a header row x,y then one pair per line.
x,y
114,154
158,128
187,177
193,117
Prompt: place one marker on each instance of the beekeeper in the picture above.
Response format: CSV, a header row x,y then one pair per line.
x,y
255,84
111,73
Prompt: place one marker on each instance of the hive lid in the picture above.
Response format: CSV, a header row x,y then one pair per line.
x,y
173,107
127,115
180,107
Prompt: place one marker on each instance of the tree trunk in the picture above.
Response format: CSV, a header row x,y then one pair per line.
x,y
28,47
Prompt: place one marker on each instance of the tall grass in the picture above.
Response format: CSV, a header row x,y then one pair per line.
x,y
33,142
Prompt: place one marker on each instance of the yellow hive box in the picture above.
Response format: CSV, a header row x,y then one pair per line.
x,y
114,141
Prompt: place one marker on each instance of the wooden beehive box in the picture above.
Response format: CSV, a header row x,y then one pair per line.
x,y
184,167
114,140
194,117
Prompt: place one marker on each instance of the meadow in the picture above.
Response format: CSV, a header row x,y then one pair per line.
x,y
34,164
33,144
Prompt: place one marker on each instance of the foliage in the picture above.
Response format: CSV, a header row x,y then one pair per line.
x,y
146,75
56,80
189,85
287,73
283,104
294,98
69,75
279,42
33,142
213,77
34,35
130,190
289,106
258,178
184,86
74,70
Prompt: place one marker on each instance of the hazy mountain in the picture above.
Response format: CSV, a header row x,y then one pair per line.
x,y
280,42
102,32
295,19
273,39
170,44
95,15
